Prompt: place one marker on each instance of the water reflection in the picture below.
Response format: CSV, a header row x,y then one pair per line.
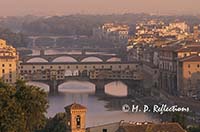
x,y
77,87
101,110
40,85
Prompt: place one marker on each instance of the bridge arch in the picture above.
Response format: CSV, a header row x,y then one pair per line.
x,y
116,88
64,59
37,59
73,86
114,59
92,59
41,85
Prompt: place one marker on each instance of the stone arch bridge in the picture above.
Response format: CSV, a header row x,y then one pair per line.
x,y
73,57
133,87
98,73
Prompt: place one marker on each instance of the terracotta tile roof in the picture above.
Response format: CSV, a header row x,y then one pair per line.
x,y
75,106
192,48
190,58
170,48
164,127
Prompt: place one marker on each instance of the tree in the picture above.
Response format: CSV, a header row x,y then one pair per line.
x,y
180,118
22,108
194,129
56,124
11,115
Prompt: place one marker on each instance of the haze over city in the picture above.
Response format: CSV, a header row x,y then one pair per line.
x,y
66,7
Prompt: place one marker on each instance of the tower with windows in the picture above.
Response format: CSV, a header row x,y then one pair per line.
x,y
75,118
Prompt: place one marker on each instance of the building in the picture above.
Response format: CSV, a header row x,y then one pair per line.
x,y
151,31
151,127
110,74
8,63
170,68
196,33
76,122
189,76
137,127
112,31
76,118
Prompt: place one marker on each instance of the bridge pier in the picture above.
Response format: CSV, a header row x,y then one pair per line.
x,y
100,84
55,42
134,88
53,87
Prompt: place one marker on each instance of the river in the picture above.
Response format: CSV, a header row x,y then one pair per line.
x,y
99,111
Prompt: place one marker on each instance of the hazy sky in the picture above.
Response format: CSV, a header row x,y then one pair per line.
x,y
60,7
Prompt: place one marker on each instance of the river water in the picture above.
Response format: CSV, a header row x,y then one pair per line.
x,y
99,111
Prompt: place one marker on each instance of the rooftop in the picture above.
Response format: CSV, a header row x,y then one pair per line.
x,y
75,106
189,48
162,127
193,58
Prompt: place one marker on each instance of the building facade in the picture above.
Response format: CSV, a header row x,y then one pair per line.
x,y
76,118
8,63
189,76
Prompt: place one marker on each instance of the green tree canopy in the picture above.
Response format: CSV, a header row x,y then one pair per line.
x,y
22,108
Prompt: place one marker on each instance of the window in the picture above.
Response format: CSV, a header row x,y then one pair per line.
x,y
10,76
3,65
42,67
78,121
188,65
10,65
33,67
104,130
128,66
189,72
3,71
185,55
198,65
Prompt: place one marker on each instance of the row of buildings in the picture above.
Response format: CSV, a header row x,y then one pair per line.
x,y
175,67
112,31
152,31
75,116
8,63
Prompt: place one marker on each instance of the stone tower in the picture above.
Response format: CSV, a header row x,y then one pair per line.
x,y
75,118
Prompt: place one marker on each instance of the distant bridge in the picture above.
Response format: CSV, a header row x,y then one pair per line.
x,y
73,57
54,38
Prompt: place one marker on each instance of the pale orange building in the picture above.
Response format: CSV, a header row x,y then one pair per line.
x,y
76,118
8,63
189,76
